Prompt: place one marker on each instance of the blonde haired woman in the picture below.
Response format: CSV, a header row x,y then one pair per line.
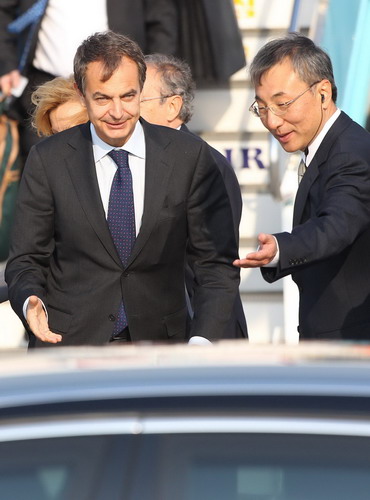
x,y
57,106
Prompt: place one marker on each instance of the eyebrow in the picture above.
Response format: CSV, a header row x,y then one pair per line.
x,y
101,94
278,94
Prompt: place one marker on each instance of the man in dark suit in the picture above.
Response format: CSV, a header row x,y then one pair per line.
x,y
166,100
52,38
63,259
327,252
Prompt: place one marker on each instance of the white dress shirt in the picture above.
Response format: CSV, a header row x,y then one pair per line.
x,y
314,146
65,25
106,168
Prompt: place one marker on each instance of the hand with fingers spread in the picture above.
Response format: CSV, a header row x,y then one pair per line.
x,y
38,323
266,251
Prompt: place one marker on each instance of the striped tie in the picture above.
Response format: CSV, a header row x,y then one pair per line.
x,y
301,170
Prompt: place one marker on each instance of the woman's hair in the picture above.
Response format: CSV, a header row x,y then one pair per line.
x,y
48,97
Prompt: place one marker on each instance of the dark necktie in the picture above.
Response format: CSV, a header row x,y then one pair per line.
x,y
121,218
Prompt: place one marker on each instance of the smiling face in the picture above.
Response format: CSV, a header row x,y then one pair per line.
x,y
113,106
304,118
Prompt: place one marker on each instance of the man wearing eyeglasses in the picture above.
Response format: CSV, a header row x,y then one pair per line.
x,y
166,99
327,252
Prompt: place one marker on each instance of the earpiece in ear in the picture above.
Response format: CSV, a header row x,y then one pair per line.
x,y
322,98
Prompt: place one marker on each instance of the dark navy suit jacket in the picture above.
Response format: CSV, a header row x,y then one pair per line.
x,y
237,327
62,250
327,252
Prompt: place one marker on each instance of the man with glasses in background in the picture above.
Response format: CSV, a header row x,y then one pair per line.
x,y
166,99
327,252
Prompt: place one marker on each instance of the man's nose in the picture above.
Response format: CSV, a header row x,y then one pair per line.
x,y
272,121
116,109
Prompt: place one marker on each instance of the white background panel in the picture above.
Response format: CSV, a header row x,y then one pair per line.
x,y
251,279
250,160
225,110
261,213
264,315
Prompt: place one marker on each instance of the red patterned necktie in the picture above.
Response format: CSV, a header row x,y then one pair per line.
x,y
121,218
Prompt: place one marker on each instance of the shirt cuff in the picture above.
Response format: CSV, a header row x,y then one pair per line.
x,y
199,341
275,261
25,305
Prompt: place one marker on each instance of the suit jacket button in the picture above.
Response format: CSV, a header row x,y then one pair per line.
x,y
112,317
125,274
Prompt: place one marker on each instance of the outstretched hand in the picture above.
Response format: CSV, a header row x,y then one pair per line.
x,y
38,323
263,255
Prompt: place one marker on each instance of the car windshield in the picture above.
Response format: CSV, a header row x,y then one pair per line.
x,y
187,467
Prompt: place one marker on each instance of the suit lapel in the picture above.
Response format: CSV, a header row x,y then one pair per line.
x,y
321,156
157,173
81,167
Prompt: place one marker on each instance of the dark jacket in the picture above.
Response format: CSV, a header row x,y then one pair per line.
x,y
327,252
237,327
63,252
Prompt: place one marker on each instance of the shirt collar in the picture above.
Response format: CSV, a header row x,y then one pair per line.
x,y
135,145
318,140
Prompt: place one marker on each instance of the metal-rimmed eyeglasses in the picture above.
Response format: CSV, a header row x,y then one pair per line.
x,y
159,97
276,109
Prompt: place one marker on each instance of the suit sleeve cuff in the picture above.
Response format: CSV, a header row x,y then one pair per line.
x,y
199,341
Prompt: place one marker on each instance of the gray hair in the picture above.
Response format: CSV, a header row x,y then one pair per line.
x,y
309,61
108,48
176,79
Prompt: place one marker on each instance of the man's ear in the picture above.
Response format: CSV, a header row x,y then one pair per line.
x,y
325,91
174,105
80,94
